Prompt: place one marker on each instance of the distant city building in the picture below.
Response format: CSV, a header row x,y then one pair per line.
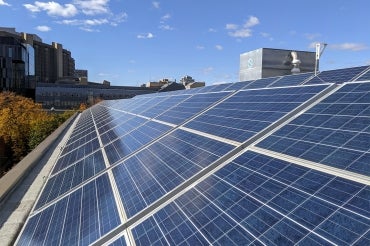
x,y
26,60
266,62
190,83
68,95
79,73
172,86
158,84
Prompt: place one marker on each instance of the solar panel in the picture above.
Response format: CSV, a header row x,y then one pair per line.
x,y
247,112
264,166
173,159
79,218
365,76
190,107
238,85
337,76
291,80
260,200
261,83
336,132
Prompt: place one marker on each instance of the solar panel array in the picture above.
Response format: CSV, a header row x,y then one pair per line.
x,y
265,162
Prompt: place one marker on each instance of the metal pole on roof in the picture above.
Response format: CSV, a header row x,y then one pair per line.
x,y
320,47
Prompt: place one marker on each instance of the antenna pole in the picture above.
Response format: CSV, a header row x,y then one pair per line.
x,y
319,51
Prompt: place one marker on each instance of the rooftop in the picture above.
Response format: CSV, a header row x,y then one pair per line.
x,y
281,160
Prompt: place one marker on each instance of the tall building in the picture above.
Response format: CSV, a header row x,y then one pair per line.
x,y
266,62
25,60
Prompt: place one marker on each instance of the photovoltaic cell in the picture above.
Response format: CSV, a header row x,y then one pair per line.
x,y
75,155
291,80
248,112
365,76
132,141
335,132
337,76
254,199
218,88
156,170
261,83
261,200
190,107
165,105
79,218
238,85
71,177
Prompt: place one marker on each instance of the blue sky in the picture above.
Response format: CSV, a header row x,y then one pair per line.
x,y
131,42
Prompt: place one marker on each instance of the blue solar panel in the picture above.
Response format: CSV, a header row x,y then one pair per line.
x,y
261,83
71,177
162,169
291,80
365,76
220,87
190,107
336,132
238,85
163,106
260,200
134,140
248,112
81,217
337,76
156,170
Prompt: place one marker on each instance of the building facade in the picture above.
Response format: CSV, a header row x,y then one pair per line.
x,y
25,60
71,96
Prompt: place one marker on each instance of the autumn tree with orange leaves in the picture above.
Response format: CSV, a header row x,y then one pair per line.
x,y
23,125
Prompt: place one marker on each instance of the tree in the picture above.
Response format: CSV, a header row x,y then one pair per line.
x,y
24,124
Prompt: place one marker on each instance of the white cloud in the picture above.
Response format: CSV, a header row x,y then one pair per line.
x,y
148,35
349,46
219,47
212,30
200,47
3,3
88,29
241,33
165,17
119,18
156,5
43,28
312,36
231,26
245,31
166,27
208,70
86,23
252,21
93,7
95,22
53,8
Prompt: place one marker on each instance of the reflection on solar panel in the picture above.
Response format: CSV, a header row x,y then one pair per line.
x,y
274,163
260,200
337,76
365,76
336,132
291,80
247,112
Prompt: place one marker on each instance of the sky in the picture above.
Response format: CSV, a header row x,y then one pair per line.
x,y
131,42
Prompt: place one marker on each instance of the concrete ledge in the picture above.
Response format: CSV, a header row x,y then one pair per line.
x,y
12,178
